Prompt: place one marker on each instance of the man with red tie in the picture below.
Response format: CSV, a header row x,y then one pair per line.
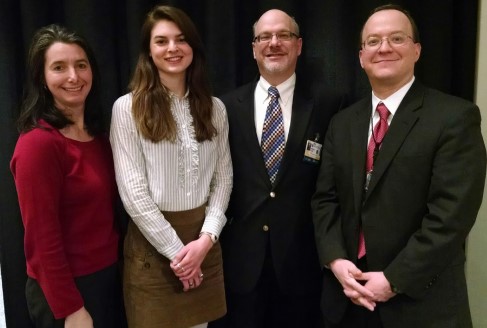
x,y
400,185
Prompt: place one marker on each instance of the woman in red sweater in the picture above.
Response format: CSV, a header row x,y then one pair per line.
x,y
63,171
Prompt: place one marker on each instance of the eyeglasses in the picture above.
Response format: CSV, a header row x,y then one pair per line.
x,y
395,40
281,36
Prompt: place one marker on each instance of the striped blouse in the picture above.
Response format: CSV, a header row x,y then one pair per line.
x,y
171,176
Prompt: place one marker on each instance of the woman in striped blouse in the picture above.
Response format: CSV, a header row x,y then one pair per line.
x,y
172,161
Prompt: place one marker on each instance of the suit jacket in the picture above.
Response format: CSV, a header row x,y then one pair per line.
x,y
279,217
422,201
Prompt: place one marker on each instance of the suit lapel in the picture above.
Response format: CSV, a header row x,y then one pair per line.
x,y
301,112
246,111
403,121
359,129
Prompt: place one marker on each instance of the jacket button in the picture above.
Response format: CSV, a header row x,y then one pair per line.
x,y
147,265
272,194
265,227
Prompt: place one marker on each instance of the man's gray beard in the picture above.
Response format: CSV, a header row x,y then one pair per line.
x,y
273,68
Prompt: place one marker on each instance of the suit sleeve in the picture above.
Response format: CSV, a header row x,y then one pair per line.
x,y
325,206
453,200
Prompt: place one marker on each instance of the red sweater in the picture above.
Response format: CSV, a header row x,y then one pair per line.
x,y
66,192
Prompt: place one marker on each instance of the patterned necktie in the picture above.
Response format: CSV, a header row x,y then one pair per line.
x,y
272,142
375,142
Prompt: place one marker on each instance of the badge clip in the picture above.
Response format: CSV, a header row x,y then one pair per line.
x,y
312,152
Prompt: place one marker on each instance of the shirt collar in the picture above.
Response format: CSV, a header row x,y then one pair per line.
x,y
285,89
393,101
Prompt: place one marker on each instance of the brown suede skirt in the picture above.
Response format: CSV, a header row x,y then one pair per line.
x,y
154,296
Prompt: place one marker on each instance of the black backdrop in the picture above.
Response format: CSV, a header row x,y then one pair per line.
x,y
330,29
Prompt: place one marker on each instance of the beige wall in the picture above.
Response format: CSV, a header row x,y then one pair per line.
x,y
477,242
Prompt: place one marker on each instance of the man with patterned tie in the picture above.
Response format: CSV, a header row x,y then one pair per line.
x,y
399,189
277,124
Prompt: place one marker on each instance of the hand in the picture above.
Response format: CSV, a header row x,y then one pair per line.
x,y
193,281
79,319
187,263
348,275
190,257
377,283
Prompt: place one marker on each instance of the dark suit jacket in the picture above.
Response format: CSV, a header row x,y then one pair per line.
x,y
283,208
423,199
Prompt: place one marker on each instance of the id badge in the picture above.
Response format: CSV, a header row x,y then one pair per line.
x,y
368,177
312,151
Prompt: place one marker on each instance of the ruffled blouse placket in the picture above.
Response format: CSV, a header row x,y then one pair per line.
x,y
188,155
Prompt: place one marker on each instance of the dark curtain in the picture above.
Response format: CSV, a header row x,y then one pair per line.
x,y
330,30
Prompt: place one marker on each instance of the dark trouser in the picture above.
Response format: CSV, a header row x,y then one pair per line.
x,y
358,317
268,307
102,295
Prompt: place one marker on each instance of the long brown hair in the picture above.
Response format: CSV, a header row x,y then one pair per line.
x,y
38,101
151,103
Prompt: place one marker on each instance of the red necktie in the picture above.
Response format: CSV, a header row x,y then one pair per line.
x,y
376,138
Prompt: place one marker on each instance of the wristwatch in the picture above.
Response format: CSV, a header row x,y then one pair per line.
x,y
213,238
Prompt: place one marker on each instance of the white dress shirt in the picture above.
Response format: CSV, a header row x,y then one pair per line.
x,y
171,176
392,103
262,99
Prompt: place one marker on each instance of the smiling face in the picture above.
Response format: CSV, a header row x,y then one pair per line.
x,y
68,75
169,50
276,58
390,66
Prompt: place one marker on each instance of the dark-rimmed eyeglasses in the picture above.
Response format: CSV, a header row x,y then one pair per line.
x,y
281,36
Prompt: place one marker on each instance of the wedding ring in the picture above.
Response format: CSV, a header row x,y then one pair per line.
x,y
191,284
180,267
201,275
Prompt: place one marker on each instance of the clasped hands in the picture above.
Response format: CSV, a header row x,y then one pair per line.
x,y
362,288
186,265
